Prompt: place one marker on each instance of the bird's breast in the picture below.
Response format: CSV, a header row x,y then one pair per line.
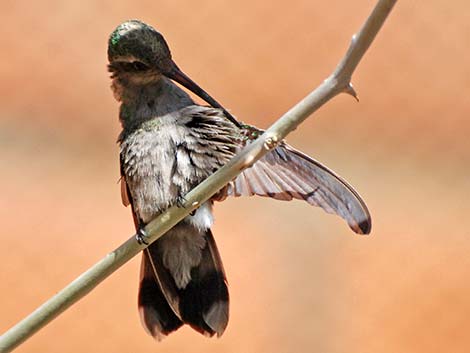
x,y
164,159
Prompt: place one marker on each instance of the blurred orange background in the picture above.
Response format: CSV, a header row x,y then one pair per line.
x,y
300,280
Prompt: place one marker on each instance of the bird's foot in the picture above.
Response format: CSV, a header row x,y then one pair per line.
x,y
180,201
141,237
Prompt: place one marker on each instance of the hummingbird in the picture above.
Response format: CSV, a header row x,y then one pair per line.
x,y
168,145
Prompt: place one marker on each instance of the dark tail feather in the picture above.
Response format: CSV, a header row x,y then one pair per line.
x,y
204,303
155,313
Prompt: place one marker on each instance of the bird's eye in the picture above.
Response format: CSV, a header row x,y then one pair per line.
x,y
139,66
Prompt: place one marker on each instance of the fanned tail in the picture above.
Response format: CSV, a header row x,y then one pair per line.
x,y
156,315
205,300
168,300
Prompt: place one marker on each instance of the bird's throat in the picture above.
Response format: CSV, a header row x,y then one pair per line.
x,y
142,101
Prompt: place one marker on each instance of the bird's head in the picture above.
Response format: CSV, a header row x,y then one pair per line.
x,y
139,54
137,51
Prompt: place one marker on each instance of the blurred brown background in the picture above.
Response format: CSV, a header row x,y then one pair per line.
x,y
300,280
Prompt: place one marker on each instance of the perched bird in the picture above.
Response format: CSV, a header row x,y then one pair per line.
x,y
168,145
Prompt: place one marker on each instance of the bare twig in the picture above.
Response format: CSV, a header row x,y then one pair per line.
x,y
338,82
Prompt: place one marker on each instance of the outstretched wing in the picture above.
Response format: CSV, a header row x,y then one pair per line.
x,y
286,174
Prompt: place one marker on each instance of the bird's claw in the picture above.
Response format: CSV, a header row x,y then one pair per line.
x,y
180,201
141,237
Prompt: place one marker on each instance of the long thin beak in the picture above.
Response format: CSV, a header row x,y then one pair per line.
x,y
179,76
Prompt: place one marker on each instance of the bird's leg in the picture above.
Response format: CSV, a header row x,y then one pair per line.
x,y
141,236
180,201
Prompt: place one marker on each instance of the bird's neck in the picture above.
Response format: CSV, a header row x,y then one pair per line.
x,y
143,101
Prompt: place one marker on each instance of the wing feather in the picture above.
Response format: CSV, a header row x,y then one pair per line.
x,y
286,173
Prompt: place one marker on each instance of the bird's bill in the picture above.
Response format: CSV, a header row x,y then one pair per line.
x,y
179,76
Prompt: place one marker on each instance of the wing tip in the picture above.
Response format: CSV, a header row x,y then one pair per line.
x,y
364,227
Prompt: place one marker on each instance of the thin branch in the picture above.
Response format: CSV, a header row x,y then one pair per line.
x,y
338,82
